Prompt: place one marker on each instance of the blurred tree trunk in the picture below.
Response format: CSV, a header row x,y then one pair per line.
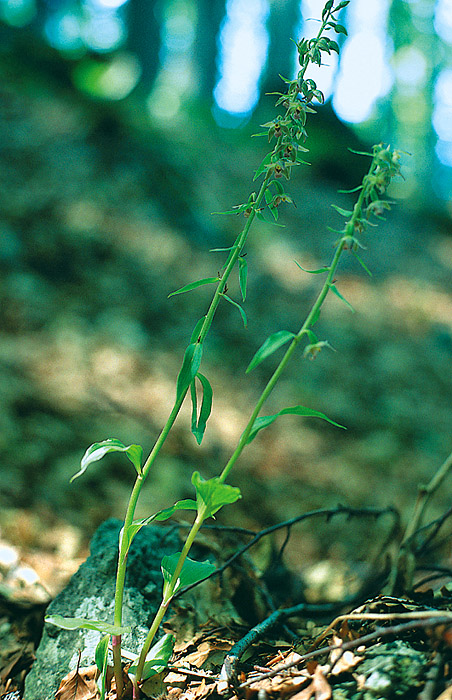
x,y
281,26
144,38
210,14
411,104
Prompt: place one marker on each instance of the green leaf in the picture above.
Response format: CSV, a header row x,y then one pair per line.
x,y
264,421
363,265
342,4
192,572
185,504
237,210
355,189
99,449
234,303
340,29
243,276
100,658
361,153
197,330
263,166
222,250
136,525
311,335
316,315
190,365
313,272
77,623
213,494
261,217
334,46
198,425
274,212
194,285
344,212
300,159
342,298
278,184
157,657
273,342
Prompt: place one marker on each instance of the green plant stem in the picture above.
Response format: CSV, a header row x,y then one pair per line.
x,y
168,595
310,319
131,507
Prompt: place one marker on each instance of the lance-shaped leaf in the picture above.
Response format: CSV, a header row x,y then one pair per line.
x,y
264,421
335,290
126,537
343,212
197,330
100,658
157,657
361,153
192,572
213,494
275,341
243,276
234,303
355,189
263,165
194,285
313,272
222,250
363,265
198,424
77,623
99,449
316,315
190,365
342,4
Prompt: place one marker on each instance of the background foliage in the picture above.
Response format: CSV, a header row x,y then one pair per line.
x,y
106,202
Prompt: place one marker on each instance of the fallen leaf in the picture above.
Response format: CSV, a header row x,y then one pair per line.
x,y
446,694
319,688
342,661
79,685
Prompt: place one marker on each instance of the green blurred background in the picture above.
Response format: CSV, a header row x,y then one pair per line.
x,y
125,126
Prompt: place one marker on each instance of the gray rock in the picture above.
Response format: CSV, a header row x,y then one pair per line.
x,y
90,594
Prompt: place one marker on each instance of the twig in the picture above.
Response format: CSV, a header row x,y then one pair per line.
x,y
353,644
437,572
189,672
437,525
322,512
229,670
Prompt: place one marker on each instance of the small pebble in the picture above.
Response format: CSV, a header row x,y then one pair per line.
x,y
9,557
25,575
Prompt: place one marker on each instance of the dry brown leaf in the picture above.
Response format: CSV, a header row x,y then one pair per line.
x,y
319,688
205,650
79,685
342,661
